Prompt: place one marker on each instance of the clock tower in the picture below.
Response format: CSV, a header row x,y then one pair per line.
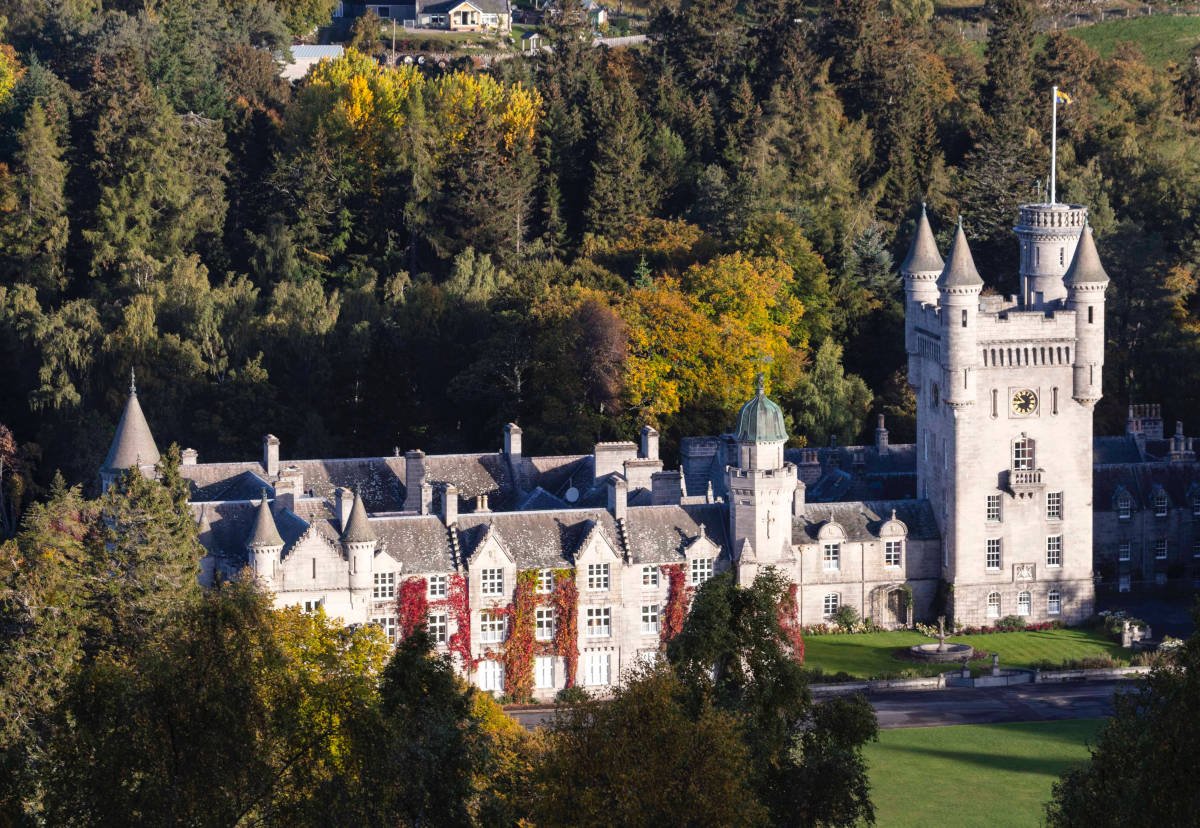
x,y
1005,391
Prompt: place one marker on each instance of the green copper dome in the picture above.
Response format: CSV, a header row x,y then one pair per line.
x,y
761,420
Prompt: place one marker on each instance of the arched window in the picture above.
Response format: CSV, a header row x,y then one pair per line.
x,y
1053,602
832,602
1024,603
1022,453
993,605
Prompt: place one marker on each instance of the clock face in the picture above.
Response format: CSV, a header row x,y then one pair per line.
x,y
1024,402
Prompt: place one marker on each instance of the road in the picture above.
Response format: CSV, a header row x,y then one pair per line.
x,y
931,708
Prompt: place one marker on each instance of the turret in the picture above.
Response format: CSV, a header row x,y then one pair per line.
x,y
959,285
1048,234
132,446
920,270
264,544
359,542
760,432
1086,282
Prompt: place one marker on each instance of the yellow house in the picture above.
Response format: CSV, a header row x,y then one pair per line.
x,y
467,15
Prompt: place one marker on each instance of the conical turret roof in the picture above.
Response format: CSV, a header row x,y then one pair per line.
x,y
133,444
960,268
760,420
923,255
358,528
265,533
1085,266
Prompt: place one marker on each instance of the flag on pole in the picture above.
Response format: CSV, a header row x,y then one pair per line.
x,y
1062,97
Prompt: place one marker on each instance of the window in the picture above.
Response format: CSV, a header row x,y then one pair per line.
x,y
1196,506
1054,550
832,557
1160,503
387,623
491,581
313,606
993,605
1160,549
1053,505
702,570
544,623
595,669
1053,602
1196,549
1022,453
597,576
491,676
648,658
385,585
832,602
1124,507
492,626
934,395
649,576
545,581
649,619
964,317
1123,583
437,627
993,554
1123,552
543,672
599,622
1091,315
892,552
993,508
1024,603
385,11
437,586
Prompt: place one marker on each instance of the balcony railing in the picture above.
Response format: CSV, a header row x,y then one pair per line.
x,y
1025,477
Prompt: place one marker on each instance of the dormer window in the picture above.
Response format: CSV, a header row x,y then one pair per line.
x,y
597,577
701,570
491,581
545,581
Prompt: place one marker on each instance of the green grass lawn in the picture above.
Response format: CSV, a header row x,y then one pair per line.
x,y
1163,39
874,654
966,775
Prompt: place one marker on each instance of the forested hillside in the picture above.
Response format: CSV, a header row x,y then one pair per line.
x,y
581,242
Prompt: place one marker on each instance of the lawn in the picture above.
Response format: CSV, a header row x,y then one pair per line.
x,y
874,654
1162,38
965,775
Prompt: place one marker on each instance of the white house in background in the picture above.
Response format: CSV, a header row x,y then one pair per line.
x,y
305,57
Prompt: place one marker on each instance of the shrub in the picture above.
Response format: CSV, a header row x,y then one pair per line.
x,y
1010,623
846,617
1090,663
572,695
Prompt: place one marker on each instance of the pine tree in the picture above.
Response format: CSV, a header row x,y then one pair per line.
x,y
621,192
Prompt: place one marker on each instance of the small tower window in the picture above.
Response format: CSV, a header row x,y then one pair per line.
x,y
964,317
1062,256
995,403
1091,314
1053,400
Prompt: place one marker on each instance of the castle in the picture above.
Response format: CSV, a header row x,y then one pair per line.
x,y
1005,505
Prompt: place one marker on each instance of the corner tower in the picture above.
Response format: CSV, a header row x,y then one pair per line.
x,y
920,271
132,446
1048,234
358,542
762,486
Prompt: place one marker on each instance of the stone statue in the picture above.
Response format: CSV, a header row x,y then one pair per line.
x,y
941,636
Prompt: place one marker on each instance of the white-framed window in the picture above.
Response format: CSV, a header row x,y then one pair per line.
x,y
1022,453
544,623
543,672
313,606
1053,602
893,553
832,602
1054,503
1124,583
491,676
599,622
1024,603
831,557
385,586
1123,552
492,626
993,508
1054,550
993,555
648,657
438,628
1196,506
649,576
701,570
1160,549
993,605
491,581
387,623
1196,548
595,669
1160,503
545,581
649,619
438,585
1124,507
597,576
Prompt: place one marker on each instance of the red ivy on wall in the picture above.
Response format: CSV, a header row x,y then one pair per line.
x,y
679,596
790,624
519,649
412,606
565,599
413,609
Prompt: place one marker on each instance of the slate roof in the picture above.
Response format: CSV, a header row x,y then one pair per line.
x,y
537,539
473,474
358,528
264,533
133,444
960,265
923,255
1108,450
862,520
420,543
1141,480
1085,265
659,534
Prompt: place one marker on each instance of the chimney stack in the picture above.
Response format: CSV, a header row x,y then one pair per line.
x,y
881,437
449,504
271,455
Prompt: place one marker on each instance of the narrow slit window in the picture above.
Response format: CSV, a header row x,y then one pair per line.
x,y
964,317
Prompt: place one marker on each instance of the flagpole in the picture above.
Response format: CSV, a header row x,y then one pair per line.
x,y
1053,141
